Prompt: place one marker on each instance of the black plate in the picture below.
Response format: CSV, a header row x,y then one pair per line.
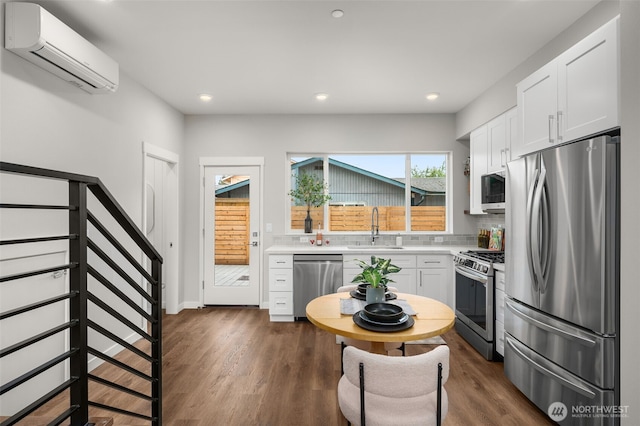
x,y
356,295
382,328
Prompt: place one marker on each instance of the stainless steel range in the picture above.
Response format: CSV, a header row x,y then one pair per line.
x,y
475,298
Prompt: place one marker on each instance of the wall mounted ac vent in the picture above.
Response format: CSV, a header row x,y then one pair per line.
x,y
41,38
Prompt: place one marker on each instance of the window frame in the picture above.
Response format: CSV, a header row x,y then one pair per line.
x,y
407,196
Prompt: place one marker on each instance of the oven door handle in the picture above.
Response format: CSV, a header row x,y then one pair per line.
x,y
476,277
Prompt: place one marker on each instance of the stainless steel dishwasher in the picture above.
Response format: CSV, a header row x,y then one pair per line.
x,y
314,275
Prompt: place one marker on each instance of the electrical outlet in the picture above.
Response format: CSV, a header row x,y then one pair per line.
x,y
438,239
304,239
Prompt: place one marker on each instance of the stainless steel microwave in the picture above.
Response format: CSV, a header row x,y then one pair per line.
x,y
493,192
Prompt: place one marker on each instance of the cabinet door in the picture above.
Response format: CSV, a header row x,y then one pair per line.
x,y
434,283
405,281
537,107
496,142
588,85
479,148
511,121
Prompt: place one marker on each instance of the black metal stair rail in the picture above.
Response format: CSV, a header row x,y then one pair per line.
x,y
79,321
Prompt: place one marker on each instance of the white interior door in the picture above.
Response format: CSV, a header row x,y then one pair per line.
x,y
161,218
231,235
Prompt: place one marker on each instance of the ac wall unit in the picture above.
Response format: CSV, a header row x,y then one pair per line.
x,y
40,37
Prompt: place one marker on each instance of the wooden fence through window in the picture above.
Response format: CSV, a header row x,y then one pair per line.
x,y
232,231
358,218
232,223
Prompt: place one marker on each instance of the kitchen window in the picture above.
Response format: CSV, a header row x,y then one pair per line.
x,y
357,183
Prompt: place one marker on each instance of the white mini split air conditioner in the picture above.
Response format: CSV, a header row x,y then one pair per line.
x,y
40,37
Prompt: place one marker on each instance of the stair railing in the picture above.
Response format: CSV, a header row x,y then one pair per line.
x,y
146,284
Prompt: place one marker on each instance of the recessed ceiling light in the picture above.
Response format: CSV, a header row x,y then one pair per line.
x,y
433,96
337,13
205,97
321,96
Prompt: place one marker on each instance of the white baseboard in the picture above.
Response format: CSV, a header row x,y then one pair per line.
x,y
196,305
112,351
189,305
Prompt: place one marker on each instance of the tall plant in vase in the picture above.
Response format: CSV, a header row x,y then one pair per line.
x,y
309,190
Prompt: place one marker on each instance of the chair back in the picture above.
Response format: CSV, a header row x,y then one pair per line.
x,y
397,377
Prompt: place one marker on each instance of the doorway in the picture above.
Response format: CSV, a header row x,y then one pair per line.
x,y
160,217
231,232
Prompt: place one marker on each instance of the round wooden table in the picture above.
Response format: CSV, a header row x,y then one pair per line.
x,y
432,318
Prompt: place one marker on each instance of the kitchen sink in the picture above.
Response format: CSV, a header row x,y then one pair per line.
x,y
375,247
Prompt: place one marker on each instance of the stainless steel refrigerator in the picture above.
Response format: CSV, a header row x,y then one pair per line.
x,y
562,281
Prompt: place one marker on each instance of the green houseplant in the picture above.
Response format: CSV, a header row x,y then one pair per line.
x,y
376,274
309,190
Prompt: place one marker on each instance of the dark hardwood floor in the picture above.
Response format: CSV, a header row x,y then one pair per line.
x,y
231,366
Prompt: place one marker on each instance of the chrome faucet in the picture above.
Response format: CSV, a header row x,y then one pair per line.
x,y
375,228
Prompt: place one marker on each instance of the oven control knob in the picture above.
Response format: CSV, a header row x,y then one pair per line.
x,y
485,269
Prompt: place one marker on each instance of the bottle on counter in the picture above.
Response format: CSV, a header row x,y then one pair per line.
x,y
480,238
319,236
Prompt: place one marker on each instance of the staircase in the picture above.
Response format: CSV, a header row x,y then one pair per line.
x,y
110,297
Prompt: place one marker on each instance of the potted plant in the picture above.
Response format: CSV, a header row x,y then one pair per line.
x,y
376,275
309,190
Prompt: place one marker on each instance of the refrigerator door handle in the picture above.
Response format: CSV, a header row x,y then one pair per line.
x,y
548,372
544,234
536,213
547,327
528,216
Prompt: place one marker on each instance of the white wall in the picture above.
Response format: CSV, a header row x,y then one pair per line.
x,y
46,122
272,136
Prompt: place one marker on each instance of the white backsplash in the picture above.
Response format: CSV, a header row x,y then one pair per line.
x,y
384,239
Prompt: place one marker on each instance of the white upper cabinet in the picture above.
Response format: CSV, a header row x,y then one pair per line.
x,y
511,120
497,142
490,147
588,85
479,148
537,106
573,96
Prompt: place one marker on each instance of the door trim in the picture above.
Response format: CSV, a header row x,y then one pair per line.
x,y
172,303
231,161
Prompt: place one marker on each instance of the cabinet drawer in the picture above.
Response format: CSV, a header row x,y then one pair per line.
x,y
280,303
281,261
500,306
433,261
402,261
500,338
280,279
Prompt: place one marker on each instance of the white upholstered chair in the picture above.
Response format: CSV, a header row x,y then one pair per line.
x,y
397,390
364,345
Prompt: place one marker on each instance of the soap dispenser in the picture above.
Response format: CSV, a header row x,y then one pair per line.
x,y
319,236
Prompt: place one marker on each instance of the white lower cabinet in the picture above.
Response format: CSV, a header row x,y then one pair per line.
x,y
499,323
425,275
281,287
434,277
404,281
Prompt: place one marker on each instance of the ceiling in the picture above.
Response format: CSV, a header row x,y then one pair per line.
x,y
271,57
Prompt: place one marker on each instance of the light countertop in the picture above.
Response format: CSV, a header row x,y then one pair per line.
x,y
330,249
